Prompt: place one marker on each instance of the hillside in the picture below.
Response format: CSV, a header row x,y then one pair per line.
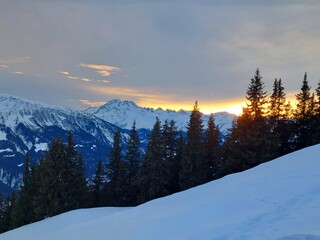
x,y
276,200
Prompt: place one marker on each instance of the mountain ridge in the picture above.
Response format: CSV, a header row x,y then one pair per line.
x,y
123,113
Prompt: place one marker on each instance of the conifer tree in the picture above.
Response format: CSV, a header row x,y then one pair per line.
x,y
74,178
251,141
316,117
153,177
50,189
133,163
115,187
279,121
170,149
212,149
22,212
60,180
2,213
257,97
97,185
303,115
192,173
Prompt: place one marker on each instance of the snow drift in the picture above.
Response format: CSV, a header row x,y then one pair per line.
x,y
276,200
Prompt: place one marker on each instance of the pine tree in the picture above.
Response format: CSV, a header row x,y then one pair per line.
x,y
316,117
278,119
115,187
133,162
303,115
250,141
60,180
97,185
153,177
2,213
192,173
257,97
170,149
74,178
22,212
47,201
212,150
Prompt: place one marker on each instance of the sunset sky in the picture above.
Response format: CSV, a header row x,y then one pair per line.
x,y
157,53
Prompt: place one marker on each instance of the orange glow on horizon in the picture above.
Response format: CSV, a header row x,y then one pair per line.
x,y
234,107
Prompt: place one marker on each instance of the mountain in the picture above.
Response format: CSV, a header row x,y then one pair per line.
x,y
275,200
123,113
30,126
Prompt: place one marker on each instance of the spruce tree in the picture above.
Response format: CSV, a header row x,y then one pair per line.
x,y
212,149
153,176
133,163
60,180
2,213
74,178
115,187
97,185
303,115
22,212
316,117
170,149
192,170
257,97
250,141
279,122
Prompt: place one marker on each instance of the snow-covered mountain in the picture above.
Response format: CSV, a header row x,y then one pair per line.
x,y
123,113
276,200
30,126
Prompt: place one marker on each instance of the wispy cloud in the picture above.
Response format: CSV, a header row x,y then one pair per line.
x,y
104,81
3,66
69,76
91,103
102,70
19,73
125,92
15,60
64,73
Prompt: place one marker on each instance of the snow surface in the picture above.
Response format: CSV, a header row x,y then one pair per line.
x,y
6,150
124,113
3,136
276,200
41,147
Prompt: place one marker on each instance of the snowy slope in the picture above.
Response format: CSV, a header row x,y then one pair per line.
x,y
123,113
276,200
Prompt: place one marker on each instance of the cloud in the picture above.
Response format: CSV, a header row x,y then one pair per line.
x,y
125,92
85,79
73,77
64,73
102,70
91,103
3,66
19,73
15,60
104,81
69,76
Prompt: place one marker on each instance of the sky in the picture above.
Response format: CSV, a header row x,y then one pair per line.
x,y
167,54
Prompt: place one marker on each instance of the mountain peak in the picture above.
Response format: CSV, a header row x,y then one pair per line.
x,y
120,103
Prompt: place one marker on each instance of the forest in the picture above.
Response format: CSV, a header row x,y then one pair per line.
x,y
269,127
